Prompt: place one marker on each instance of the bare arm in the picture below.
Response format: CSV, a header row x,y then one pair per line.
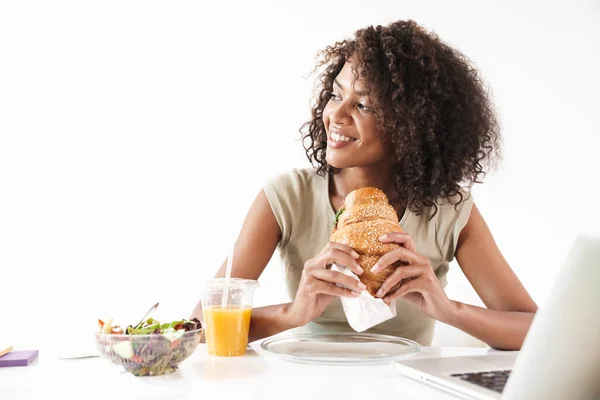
x,y
510,309
253,249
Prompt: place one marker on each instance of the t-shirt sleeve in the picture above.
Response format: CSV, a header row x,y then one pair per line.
x,y
450,223
283,193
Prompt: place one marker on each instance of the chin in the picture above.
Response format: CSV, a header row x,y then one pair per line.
x,y
338,162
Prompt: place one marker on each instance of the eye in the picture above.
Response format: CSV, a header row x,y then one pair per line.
x,y
334,96
362,107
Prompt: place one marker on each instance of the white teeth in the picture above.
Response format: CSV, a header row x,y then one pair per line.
x,y
339,138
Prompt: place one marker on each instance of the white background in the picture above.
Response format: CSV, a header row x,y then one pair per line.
x,y
134,135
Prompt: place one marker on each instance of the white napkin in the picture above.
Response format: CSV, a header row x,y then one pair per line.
x,y
364,311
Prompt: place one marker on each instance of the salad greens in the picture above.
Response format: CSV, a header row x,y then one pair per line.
x,y
151,326
337,216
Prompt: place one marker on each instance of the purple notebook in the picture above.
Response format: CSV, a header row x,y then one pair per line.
x,y
18,358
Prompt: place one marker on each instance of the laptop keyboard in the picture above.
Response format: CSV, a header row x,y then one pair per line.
x,y
493,380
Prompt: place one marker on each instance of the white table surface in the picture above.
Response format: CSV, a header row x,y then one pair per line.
x,y
255,375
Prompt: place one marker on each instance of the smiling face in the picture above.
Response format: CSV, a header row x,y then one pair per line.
x,y
352,136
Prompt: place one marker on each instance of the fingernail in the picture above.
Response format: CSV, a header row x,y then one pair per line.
x,y
383,237
355,254
379,293
375,268
360,270
362,285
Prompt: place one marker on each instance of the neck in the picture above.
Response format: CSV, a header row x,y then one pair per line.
x,y
350,179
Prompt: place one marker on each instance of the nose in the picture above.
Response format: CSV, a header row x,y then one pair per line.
x,y
339,115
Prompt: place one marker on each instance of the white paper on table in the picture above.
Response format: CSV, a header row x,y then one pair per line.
x,y
364,311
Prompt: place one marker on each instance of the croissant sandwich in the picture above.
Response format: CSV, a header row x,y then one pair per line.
x,y
365,216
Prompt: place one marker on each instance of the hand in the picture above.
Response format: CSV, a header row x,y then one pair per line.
x,y
319,285
420,287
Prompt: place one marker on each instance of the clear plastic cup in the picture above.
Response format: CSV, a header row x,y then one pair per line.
x,y
227,307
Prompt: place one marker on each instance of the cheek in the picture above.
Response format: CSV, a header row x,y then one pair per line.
x,y
369,131
326,112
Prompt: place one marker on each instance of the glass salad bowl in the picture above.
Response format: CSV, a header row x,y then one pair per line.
x,y
149,353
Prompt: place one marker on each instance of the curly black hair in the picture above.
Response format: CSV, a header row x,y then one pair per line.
x,y
430,104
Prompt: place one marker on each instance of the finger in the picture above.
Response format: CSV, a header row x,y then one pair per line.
x,y
399,254
404,272
413,286
391,297
402,238
343,248
329,256
333,255
332,289
338,278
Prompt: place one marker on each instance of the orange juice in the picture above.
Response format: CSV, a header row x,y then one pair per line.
x,y
227,329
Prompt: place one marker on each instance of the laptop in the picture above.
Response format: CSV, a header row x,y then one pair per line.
x,y
560,357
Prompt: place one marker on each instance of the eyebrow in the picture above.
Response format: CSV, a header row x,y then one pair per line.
x,y
359,93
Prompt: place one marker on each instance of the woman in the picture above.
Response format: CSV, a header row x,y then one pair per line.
x,y
399,110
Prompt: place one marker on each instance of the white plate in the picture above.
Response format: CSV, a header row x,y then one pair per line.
x,y
341,348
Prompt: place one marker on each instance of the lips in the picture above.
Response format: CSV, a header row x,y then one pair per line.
x,y
337,141
339,135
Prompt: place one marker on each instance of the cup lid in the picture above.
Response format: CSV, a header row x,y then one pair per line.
x,y
234,283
